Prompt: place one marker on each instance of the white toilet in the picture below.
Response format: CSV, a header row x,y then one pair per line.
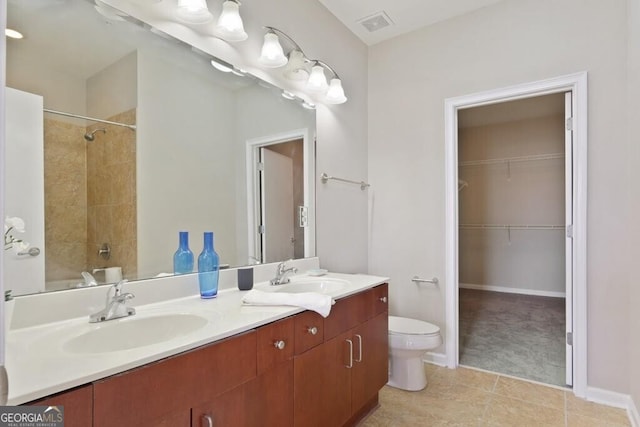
x,y
409,339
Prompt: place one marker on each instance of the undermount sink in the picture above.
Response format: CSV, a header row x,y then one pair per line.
x,y
318,285
132,332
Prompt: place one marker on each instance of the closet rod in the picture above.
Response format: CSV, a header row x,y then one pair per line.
x,y
77,116
510,227
513,159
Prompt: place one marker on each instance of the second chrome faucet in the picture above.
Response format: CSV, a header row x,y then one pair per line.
x,y
281,274
115,307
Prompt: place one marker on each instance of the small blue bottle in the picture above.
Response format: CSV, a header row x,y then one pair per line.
x,y
208,268
183,258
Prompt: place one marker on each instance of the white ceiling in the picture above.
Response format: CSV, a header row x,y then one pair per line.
x,y
406,15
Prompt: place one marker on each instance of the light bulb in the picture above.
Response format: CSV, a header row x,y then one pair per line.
x,y
335,94
272,55
230,26
193,11
317,81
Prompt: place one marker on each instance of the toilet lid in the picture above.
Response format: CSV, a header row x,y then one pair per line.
x,y
403,325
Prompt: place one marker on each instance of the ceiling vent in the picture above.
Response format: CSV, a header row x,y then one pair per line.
x,y
376,21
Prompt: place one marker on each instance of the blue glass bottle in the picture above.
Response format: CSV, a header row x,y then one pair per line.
x,y
208,268
183,258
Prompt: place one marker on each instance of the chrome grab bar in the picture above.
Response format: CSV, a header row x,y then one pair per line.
x,y
433,281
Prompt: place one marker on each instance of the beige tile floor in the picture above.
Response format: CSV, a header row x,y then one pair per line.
x,y
468,397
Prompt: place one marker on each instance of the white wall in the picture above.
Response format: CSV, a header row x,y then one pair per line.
x,y
61,91
183,169
260,113
517,193
113,90
511,42
633,160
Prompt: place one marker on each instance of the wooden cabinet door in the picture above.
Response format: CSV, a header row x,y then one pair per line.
x,y
77,403
347,313
269,398
371,360
226,410
265,401
174,385
322,384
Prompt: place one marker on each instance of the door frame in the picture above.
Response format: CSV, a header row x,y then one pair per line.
x,y
577,84
252,155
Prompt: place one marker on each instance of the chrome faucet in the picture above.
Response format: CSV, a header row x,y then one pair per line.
x,y
116,305
281,274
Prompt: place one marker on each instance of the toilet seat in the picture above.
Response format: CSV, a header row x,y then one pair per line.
x,y
403,325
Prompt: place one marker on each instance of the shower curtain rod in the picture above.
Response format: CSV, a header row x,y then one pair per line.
x,y
77,116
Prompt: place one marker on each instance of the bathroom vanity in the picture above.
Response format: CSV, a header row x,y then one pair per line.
x,y
295,369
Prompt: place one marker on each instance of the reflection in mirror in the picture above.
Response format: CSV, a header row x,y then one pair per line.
x,y
96,195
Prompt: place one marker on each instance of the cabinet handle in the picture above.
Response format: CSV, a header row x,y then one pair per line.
x,y
280,344
359,359
383,299
350,365
208,419
312,330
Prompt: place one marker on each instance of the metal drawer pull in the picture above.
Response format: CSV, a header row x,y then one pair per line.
x,y
280,344
208,419
350,365
383,299
359,359
312,330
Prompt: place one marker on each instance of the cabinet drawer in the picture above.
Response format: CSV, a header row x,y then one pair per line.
x,y
135,397
275,343
309,331
379,300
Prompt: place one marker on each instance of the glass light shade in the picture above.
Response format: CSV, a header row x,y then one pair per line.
x,y
335,94
230,25
194,11
296,67
317,80
13,34
272,55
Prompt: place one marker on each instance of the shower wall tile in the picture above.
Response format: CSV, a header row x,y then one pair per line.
x,y
65,193
111,178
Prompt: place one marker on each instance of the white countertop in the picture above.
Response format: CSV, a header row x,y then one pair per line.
x,y
38,365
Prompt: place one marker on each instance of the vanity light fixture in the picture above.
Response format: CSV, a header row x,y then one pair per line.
x,y
194,12
299,67
227,68
230,26
288,95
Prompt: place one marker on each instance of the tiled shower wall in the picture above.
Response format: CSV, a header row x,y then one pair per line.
x,y
65,195
111,196
90,198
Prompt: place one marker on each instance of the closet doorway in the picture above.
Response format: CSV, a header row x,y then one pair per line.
x,y
513,206
491,229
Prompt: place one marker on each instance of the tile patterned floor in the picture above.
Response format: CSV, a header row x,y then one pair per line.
x,y
468,397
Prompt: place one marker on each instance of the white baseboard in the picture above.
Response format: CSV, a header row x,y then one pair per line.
x,y
508,290
435,358
634,415
617,400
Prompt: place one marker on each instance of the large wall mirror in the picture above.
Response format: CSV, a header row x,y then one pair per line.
x,y
98,195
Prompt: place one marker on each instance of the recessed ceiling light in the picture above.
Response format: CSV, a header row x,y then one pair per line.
x,y
13,34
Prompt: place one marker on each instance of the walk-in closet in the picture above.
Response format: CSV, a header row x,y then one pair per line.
x,y
512,246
